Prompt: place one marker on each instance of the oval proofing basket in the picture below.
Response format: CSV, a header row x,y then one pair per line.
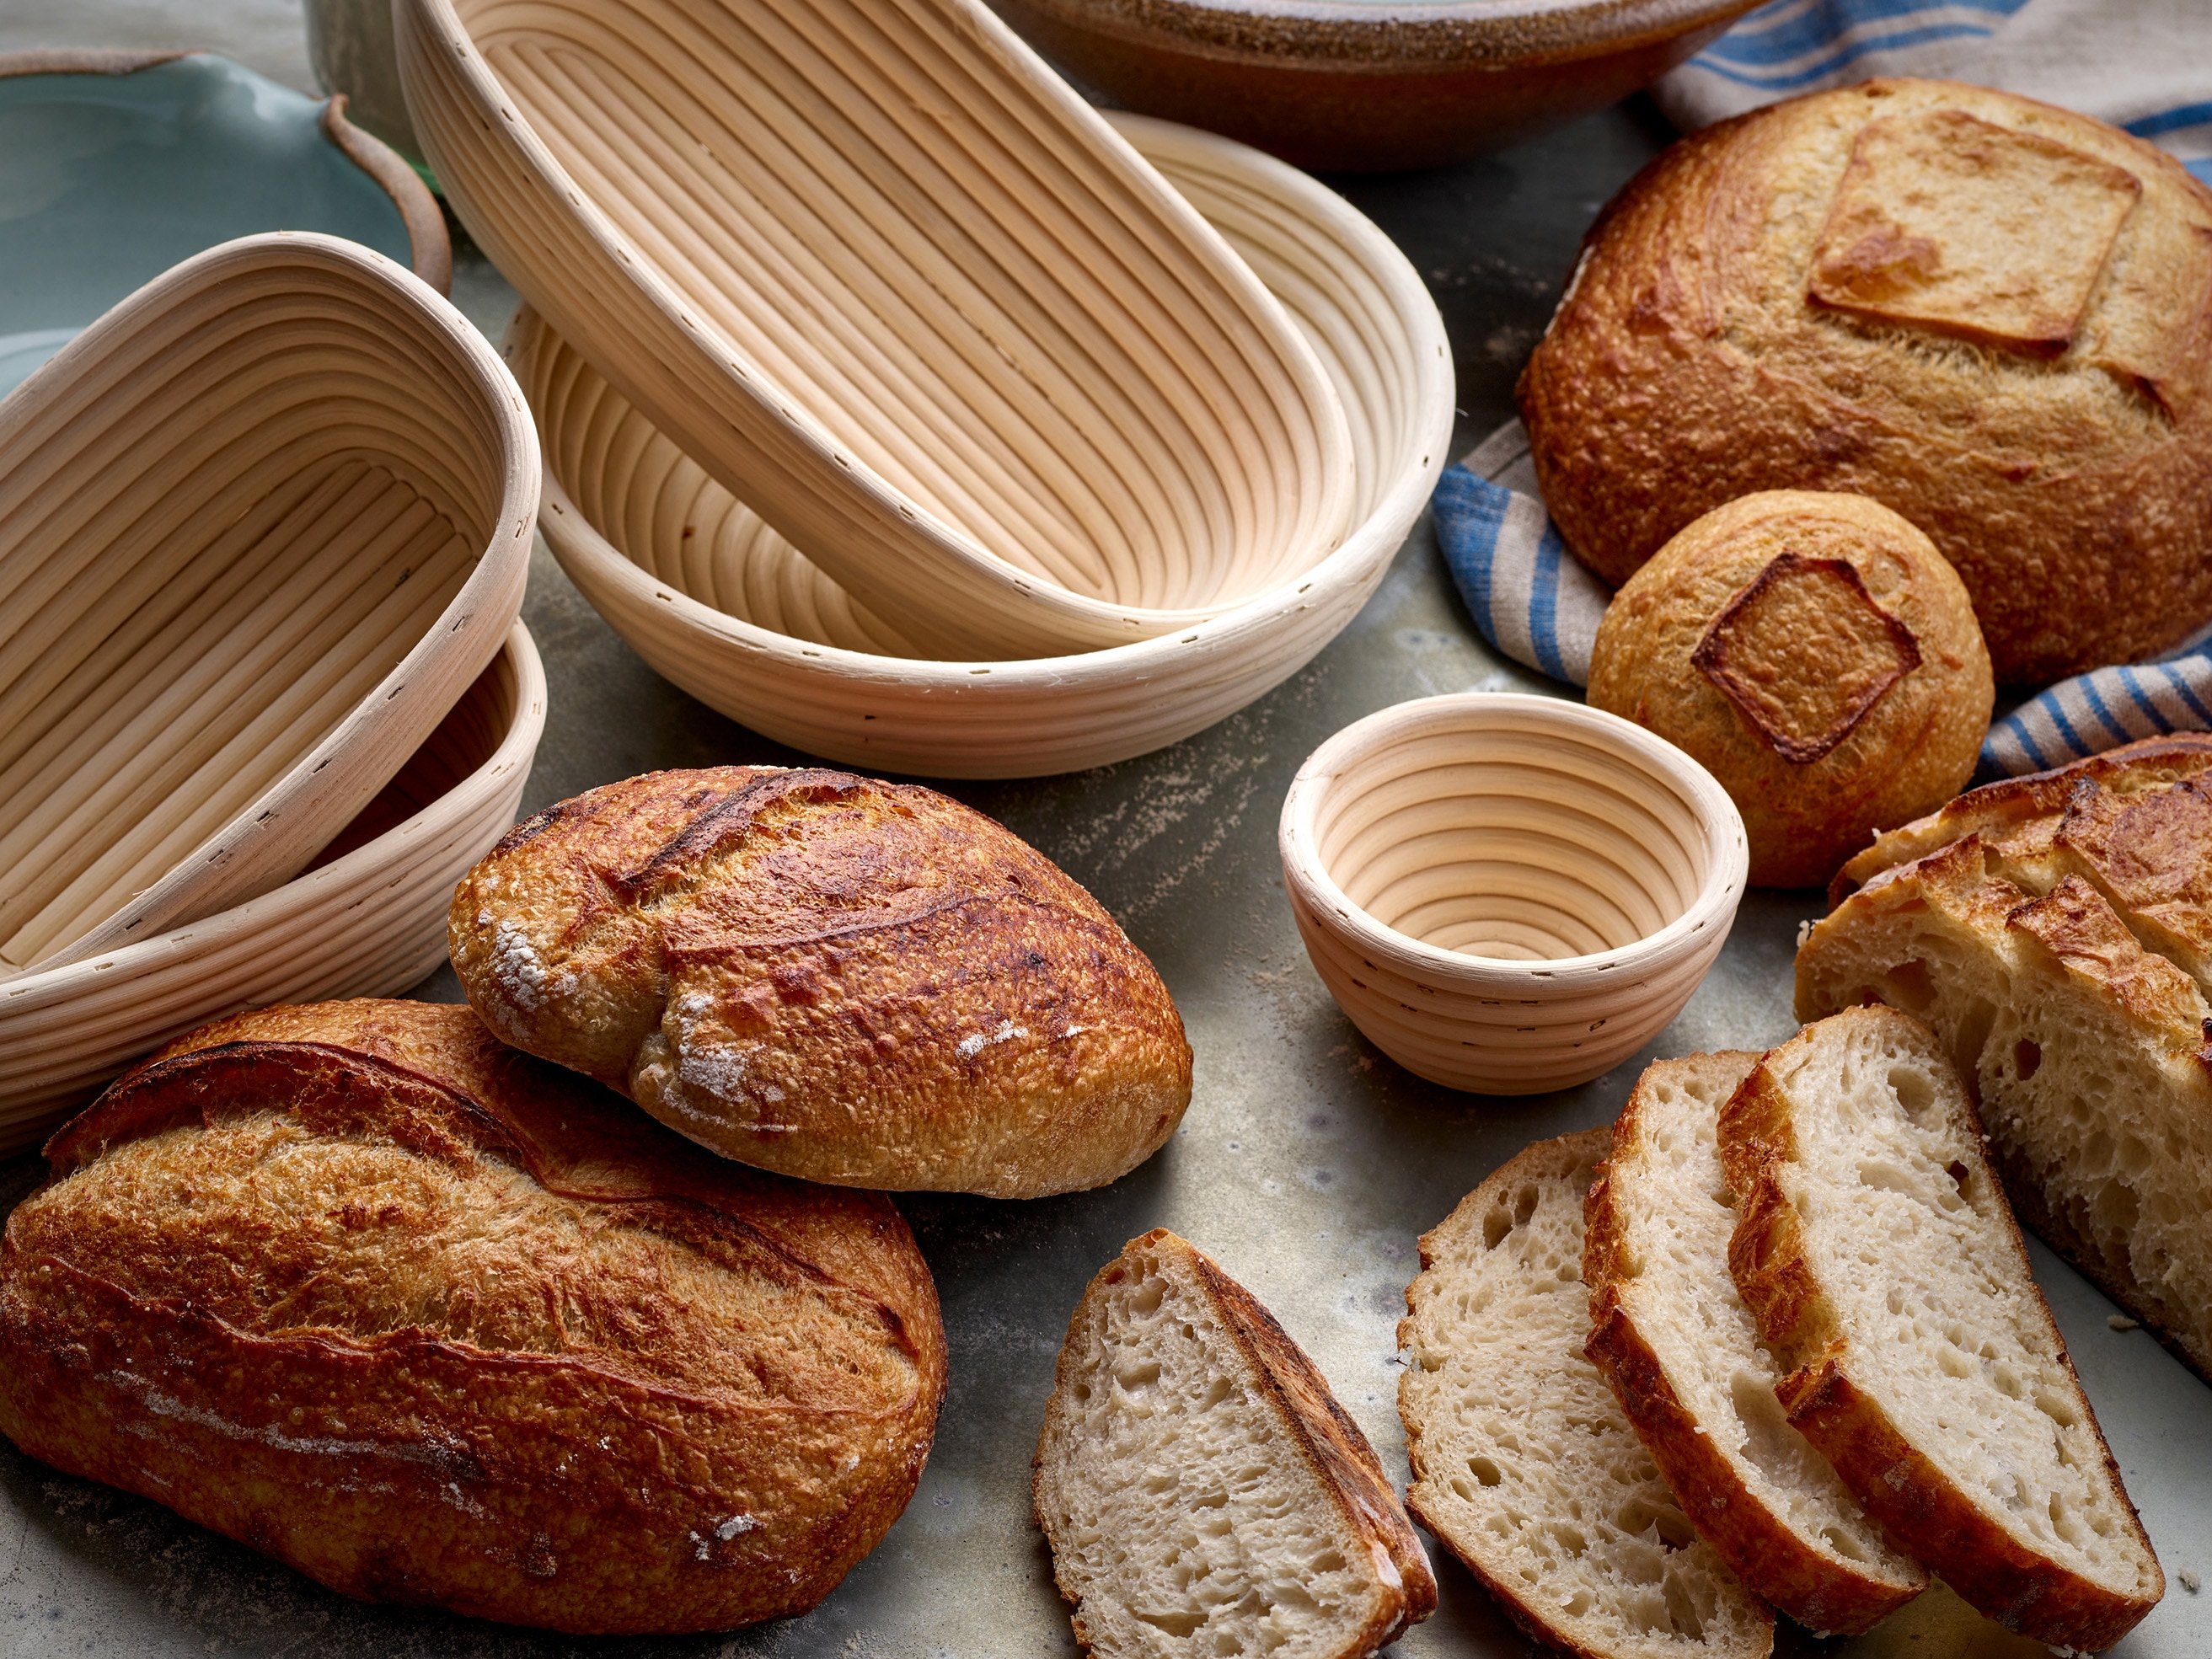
x,y
260,525
1510,894
370,920
890,281
725,608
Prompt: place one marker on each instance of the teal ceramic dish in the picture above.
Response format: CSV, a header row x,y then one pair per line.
x,y
116,166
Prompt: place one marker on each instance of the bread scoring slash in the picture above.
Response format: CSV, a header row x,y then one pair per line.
x,y
435,1323
844,980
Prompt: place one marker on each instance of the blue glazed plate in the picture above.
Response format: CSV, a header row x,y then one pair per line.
x,y
114,167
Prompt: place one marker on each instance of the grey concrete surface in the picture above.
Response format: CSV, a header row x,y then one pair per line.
x,y
1309,1163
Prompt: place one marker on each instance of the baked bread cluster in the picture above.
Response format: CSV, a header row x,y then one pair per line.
x,y
1782,1345
1989,314
1818,656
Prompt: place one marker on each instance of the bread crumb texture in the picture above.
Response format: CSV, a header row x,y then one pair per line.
x,y
1878,1253
1684,1356
848,980
1202,1491
1524,1462
2056,932
433,1322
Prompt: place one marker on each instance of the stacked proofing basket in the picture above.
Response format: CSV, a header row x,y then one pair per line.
x,y
722,605
262,527
890,282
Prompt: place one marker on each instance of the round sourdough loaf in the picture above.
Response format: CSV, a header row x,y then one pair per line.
x,y
1818,656
435,1322
1990,314
844,980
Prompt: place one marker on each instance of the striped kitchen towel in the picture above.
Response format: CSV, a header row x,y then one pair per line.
x,y
2145,65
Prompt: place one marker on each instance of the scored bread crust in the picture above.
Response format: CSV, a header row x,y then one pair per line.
x,y
1793,1569
1833,1393
833,977
435,1323
1311,1422
1685,368
1547,1172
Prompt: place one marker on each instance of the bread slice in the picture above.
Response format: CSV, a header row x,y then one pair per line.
x,y
2056,932
1523,1463
1683,1356
1202,1491
1883,1266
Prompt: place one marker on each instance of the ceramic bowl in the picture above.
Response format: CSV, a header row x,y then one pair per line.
x,y
891,282
1510,894
260,525
722,606
367,919
1368,85
115,166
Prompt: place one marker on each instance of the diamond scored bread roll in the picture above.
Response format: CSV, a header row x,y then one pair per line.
x,y
1990,314
848,980
1818,656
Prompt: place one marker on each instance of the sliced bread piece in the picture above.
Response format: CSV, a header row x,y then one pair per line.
x,y
1683,1355
1202,1491
1883,1264
1523,1463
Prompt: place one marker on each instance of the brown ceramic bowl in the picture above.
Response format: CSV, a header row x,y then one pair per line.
x,y
1367,86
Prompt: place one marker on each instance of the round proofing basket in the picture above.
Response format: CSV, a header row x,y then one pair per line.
x,y
1510,894
722,606
891,281
260,525
368,922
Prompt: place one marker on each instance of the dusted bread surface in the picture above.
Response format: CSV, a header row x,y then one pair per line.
x,y
1989,314
843,980
433,1322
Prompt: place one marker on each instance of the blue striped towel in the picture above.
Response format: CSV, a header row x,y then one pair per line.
x,y
2145,65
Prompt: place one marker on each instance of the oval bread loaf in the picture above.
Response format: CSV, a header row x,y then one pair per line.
x,y
435,1322
1989,314
840,979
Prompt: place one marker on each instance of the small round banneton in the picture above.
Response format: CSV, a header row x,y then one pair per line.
x,y
1509,894
891,280
725,608
261,527
368,919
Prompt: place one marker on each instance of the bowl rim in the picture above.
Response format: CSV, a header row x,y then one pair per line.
x,y
1379,535
1309,881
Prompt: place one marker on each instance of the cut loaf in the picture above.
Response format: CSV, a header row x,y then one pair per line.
x,y
1878,1254
1523,1463
1683,1356
1202,1491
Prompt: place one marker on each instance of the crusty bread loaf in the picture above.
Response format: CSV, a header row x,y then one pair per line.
x,y
1683,1356
436,1323
1817,655
1203,1491
1990,314
1523,1463
2056,932
1877,1253
838,979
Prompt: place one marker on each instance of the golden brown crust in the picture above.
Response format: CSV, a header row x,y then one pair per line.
x,y
839,979
435,1323
1687,366
1898,1485
1818,656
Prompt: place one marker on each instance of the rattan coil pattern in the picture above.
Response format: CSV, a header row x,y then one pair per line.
x,y
368,922
1508,893
724,607
260,525
890,281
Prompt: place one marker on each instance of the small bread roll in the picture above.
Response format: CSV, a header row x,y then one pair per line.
x,y
1990,314
1817,655
839,979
